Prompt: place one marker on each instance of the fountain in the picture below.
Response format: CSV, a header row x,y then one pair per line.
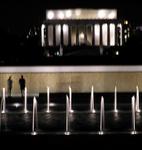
x,y
3,102
115,100
102,117
25,100
48,100
133,116
61,50
137,100
0,115
67,115
70,100
34,117
92,109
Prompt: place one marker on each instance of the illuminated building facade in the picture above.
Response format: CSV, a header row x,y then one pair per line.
x,y
91,27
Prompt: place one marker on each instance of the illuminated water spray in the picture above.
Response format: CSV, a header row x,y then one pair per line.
x,y
67,115
25,100
133,116
48,100
3,102
115,100
92,109
0,119
102,116
137,100
61,50
34,117
70,100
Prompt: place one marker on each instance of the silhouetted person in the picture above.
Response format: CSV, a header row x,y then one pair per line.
x,y
9,85
22,83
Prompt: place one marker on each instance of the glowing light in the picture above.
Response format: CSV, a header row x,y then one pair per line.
x,y
117,53
101,14
78,12
92,101
102,116
42,35
65,28
52,104
67,133
112,34
81,14
50,15
104,32
34,133
126,22
68,13
61,15
133,103
48,100
125,36
3,102
133,132
125,31
81,35
25,100
137,100
101,132
112,15
16,105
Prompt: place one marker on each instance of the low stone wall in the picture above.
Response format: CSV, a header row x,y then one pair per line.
x,y
80,82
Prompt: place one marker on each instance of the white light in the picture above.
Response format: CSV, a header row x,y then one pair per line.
x,y
58,27
61,15
126,22
112,15
104,32
101,14
112,34
50,15
101,132
65,28
34,133
17,105
67,133
133,132
68,13
81,35
42,35
125,36
78,12
117,52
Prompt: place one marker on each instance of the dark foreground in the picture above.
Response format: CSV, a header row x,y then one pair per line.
x,y
84,126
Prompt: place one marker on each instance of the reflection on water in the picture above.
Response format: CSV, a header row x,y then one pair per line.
x,y
81,121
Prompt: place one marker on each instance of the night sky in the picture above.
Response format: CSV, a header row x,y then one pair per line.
x,y
18,16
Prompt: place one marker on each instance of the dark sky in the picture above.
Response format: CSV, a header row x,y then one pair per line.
x,y
18,16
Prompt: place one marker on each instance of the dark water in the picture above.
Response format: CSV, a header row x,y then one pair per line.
x,y
16,127
81,121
